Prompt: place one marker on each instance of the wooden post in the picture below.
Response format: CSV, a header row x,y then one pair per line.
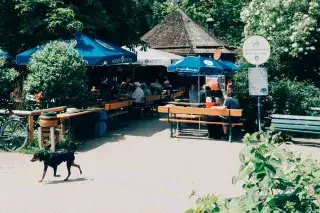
x,y
52,139
30,128
63,128
40,138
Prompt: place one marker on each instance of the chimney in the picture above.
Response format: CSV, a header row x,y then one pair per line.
x,y
210,26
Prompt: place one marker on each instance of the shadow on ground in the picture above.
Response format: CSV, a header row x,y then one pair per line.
x,y
69,181
117,132
304,143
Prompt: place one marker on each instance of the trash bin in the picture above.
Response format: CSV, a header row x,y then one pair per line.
x,y
82,127
100,127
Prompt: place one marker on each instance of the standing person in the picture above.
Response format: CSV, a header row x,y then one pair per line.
x,y
137,95
203,94
193,94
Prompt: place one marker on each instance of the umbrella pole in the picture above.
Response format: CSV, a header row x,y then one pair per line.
x,y
199,99
132,72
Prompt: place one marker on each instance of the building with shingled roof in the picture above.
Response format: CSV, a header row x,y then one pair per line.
x,y
179,34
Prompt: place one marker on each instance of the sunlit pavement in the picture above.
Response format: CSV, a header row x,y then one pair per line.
x,y
138,169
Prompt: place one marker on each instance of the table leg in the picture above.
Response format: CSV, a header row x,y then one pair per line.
x,y
62,128
52,139
69,129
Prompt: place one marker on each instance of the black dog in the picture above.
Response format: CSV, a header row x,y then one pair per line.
x,y
54,159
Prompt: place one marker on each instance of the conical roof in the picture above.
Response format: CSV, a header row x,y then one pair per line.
x,y
179,34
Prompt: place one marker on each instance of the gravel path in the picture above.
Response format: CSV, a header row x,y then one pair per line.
x,y
136,170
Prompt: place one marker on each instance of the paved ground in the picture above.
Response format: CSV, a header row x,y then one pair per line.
x,y
137,170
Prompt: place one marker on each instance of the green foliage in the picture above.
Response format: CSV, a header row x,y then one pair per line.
x,y
285,97
160,10
275,179
7,80
25,24
292,97
293,29
226,15
59,73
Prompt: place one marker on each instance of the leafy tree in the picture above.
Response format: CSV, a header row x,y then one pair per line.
x,y
58,72
293,29
7,80
25,24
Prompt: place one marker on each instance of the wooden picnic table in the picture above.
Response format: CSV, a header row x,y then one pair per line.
x,y
66,116
30,115
186,104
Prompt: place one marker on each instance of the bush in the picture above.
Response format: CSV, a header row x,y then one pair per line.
x,y
59,73
285,97
7,80
274,178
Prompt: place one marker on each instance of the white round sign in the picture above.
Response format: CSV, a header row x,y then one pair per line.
x,y
256,50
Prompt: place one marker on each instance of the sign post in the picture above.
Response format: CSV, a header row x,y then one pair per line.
x,y
256,50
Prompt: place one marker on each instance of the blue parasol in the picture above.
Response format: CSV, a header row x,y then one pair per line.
x,y
4,54
196,66
94,51
228,67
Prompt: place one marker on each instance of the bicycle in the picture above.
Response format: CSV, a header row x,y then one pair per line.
x,y
13,132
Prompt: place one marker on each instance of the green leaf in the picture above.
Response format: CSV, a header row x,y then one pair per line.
x,y
270,168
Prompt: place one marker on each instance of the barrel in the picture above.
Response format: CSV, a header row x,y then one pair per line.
x,y
48,119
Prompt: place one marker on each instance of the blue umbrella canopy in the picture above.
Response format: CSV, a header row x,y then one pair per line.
x,y
195,66
4,54
228,66
94,51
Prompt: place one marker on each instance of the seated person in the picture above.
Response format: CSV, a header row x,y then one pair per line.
x,y
155,90
145,89
169,91
115,91
216,91
137,95
193,95
105,89
157,84
229,103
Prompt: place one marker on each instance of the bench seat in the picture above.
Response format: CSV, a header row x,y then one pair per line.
x,y
295,123
192,115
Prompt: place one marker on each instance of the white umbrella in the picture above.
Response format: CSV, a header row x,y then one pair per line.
x,y
153,57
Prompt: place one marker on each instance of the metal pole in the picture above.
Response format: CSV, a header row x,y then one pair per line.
x,y
199,98
259,112
259,109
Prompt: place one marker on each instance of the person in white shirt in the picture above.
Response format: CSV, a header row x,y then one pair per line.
x,y
138,93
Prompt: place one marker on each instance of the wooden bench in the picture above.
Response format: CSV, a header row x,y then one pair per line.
x,y
152,103
149,104
295,123
118,109
195,115
177,95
